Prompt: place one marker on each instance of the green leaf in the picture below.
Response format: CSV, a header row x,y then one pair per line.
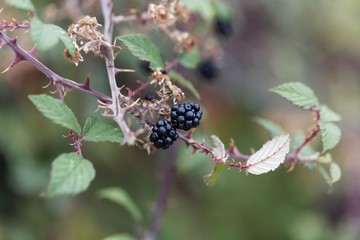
x,y
55,110
21,4
141,47
273,129
121,197
335,172
177,77
326,159
328,115
330,135
70,175
46,36
213,177
297,93
223,11
190,59
120,236
98,131
325,174
204,7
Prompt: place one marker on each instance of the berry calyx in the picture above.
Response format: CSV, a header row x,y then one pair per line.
x,y
163,134
208,69
186,115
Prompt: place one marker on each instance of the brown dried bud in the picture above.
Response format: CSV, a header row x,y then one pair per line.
x,y
78,58
186,40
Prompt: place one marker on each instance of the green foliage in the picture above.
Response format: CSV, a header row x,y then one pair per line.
x,y
55,110
177,77
213,177
70,175
21,4
141,47
273,129
121,197
330,135
297,93
46,36
335,172
190,59
205,8
328,115
98,131
120,236
223,11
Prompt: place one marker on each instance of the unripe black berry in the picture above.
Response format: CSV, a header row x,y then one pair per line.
x,y
186,115
223,27
163,134
208,69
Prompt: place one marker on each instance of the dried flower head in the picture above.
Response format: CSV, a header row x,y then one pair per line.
x,y
185,40
85,36
161,15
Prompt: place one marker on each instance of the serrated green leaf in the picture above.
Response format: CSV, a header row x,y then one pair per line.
x,y
120,236
213,177
335,172
273,129
297,93
98,131
55,110
46,36
70,175
190,59
21,4
328,115
177,77
141,47
330,135
121,197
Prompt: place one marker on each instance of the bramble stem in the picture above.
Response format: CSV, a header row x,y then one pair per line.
x,y
161,203
55,78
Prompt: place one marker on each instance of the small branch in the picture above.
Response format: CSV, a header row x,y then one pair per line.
x,y
116,108
161,203
141,17
55,78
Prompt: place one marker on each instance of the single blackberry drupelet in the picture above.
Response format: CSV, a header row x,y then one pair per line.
x,y
163,134
186,115
208,69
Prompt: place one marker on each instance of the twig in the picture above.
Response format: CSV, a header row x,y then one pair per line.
x,y
161,203
116,108
55,78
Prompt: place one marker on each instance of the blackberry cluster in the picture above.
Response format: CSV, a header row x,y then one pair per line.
x,y
186,115
163,134
208,69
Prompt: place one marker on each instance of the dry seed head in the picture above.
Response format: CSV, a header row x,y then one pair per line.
x,y
161,15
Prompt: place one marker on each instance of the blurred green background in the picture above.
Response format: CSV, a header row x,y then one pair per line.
x,y
315,42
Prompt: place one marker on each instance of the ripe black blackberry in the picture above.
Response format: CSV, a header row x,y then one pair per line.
x,y
186,115
208,69
223,27
163,134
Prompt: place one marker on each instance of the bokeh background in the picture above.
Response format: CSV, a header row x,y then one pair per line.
x,y
314,42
